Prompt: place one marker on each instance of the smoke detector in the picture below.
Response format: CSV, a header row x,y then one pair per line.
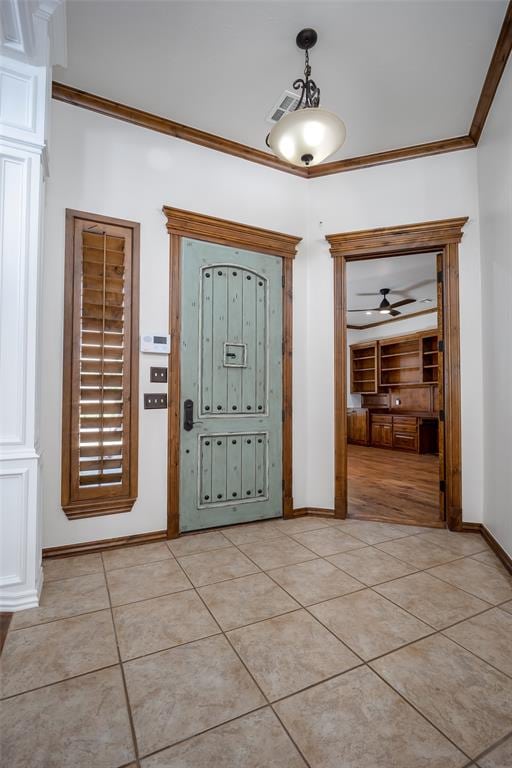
x,y
286,103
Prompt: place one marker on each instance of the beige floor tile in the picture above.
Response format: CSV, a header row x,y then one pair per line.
x,y
129,556
371,532
246,600
458,542
314,581
301,524
479,579
217,565
48,653
507,606
290,652
418,551
371,566
278,552
463,696
328,541
198,542
80,723
178,693
368,623
61,599
410,530
56,568
432,600
499,757
489,558
489,636
126,585
243,534
160,623
357,721
257,740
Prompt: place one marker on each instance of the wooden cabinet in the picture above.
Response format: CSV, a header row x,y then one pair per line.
x,y
401,361
363,368
358,426
382,431
405,433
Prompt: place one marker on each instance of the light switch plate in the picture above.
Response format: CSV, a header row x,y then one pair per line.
x,y
155,400
158,374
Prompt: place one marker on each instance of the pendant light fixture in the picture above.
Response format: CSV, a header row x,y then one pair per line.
x,y
310,134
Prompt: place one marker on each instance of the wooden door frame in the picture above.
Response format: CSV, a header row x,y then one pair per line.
x,y
443,236
187,224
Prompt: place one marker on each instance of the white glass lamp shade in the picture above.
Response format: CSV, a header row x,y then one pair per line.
x,y
307,136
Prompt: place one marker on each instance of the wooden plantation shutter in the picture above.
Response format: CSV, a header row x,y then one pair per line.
x,y
100,385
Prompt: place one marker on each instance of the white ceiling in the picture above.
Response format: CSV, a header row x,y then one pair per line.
x,y
412,276
398,73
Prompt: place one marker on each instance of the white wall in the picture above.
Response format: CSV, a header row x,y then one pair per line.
x,y
400,193
495,194
396,328
108,167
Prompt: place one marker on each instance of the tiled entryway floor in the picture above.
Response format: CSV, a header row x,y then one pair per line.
x,y
285,644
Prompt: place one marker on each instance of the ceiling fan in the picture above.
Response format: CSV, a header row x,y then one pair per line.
x,y
385,307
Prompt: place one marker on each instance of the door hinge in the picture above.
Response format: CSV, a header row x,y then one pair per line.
x,y
282,280
282,414
441,415
439,277
282,349
440,345
442,486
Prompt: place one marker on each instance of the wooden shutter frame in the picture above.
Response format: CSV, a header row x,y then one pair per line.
x,y
104,504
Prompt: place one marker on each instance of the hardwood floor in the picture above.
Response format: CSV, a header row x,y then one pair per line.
x,y
393,485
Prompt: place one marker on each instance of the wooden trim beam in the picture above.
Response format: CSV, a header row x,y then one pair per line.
x,y
214,230
70,95
493,77
392,320
392,156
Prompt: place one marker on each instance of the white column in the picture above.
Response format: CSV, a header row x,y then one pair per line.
x,y
25,83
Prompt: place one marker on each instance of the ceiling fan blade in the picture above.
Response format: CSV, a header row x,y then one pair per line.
x,y
375,293
394,312
402,303
415,286
368,309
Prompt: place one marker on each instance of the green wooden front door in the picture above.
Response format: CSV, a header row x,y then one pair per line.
x,y
231,386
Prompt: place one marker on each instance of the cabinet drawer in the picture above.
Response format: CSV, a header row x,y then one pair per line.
x,y
406,440
381,418
405,423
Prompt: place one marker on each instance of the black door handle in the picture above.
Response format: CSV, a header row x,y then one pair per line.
x,y
188,415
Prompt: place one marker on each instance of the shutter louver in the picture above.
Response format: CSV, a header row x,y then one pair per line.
x,y
101,401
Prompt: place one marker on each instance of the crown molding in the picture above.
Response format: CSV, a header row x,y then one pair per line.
x,y
214,230
392,320
79,98
493,77
392,156
70,95
365,243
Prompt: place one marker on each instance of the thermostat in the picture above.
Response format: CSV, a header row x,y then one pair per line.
x,y
155,342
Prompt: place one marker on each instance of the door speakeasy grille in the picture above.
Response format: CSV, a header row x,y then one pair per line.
x,y
101,369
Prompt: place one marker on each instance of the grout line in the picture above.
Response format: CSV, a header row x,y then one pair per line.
x,y
127,698
57,682
300,607
250,674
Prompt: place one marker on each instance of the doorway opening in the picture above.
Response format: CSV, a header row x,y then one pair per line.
x,y
397,389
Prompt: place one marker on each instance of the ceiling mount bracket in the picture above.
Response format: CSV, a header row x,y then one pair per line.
x,y
306,39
